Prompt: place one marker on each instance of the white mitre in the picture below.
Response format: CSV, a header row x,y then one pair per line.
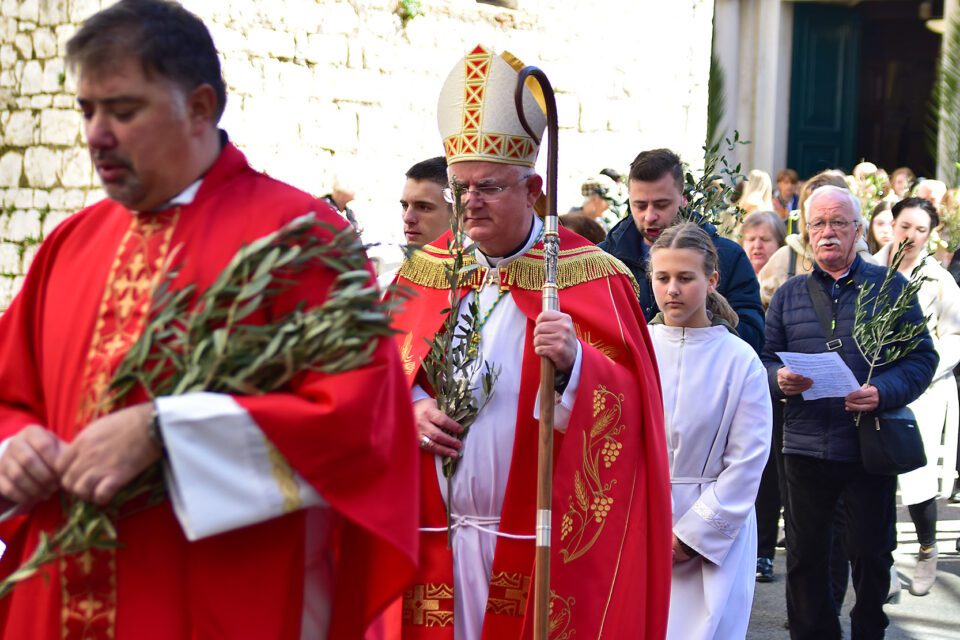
x,y
477,112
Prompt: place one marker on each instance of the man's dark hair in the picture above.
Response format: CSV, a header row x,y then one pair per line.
x,y
917,203
652,165
168,40
434,170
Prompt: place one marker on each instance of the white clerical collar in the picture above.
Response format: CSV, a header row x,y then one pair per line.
x,y
492,262
183,198
186,196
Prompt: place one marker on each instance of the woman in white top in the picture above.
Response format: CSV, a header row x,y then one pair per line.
x,y
937,409
717,416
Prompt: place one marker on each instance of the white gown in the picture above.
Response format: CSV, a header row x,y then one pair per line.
x,y
480,482
717,414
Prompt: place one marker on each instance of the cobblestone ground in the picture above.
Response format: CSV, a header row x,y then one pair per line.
x,y
935,616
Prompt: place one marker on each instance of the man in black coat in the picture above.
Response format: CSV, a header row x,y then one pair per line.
x,y
656,193
822,461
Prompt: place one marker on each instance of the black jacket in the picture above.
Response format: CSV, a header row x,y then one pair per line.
x,y
823,428
738,283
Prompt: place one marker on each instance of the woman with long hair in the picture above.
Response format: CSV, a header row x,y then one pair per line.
x,y
880,229
717,418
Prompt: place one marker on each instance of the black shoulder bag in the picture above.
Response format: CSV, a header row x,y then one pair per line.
x,y
890,441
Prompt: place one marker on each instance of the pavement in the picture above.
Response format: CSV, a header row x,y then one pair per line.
x,y
935,616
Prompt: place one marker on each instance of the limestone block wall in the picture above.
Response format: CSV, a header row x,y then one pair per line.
x,y
320,90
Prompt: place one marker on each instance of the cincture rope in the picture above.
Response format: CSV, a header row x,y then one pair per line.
x,y
480,523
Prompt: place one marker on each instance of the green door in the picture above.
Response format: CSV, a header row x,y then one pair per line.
x,y
823,92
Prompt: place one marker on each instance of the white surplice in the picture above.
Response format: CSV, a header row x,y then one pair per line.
x,y
717,416
480,482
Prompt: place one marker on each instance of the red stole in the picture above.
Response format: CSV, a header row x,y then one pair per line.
x,y
611,507
56,352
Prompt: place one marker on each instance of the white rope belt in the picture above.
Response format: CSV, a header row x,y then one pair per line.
x,y
691,480
480,523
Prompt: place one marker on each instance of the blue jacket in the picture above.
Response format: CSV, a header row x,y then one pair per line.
x,y
823,428
738,284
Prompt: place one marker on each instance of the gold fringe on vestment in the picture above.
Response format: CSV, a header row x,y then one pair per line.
x,y
427,268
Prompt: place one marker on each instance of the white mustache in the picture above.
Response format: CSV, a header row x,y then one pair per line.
x,y
828,241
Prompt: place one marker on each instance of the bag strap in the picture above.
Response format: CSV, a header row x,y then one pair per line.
x,y
792,265
822,307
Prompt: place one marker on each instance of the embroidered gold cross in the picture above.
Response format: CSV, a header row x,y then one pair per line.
x,y
417,605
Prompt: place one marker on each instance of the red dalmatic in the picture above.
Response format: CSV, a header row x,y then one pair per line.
x,y
350,435
611,544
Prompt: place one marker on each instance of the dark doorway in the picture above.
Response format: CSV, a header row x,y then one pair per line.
x,y
861,84
823,93
898,61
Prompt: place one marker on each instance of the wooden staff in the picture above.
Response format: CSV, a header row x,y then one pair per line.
x,y
551,302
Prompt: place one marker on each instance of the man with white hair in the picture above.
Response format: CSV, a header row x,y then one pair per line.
x,y
821,450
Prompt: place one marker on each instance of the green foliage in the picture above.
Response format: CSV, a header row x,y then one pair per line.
x,y
944,116
716,102
878,330
709,197
870,190
407,10
213,342
455,359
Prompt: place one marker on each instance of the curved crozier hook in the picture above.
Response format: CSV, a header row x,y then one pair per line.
x,y
552,128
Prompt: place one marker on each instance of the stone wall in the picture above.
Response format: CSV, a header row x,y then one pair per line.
x,y
326,89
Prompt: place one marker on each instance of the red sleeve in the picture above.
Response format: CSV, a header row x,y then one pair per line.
x,y
352,436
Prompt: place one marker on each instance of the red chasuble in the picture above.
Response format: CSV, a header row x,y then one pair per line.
x,y
611,544
350,435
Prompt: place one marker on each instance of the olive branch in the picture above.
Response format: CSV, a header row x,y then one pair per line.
x,y
878,330
708,199
454,359
213,342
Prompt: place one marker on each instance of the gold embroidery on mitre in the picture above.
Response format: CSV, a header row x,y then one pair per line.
x,y
283,476
428,605
508,593
406,355
477,113
428,268
591,502
561,617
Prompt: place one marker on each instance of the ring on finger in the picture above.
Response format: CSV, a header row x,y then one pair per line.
x,y
425,441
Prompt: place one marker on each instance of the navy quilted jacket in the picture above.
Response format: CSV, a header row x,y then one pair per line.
x,y
823,428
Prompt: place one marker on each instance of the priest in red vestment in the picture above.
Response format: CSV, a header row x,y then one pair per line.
x,y
611,540
291,514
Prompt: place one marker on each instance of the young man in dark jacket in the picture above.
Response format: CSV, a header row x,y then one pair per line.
x,y
820,442
656,193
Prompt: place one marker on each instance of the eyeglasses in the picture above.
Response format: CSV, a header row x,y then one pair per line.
x,y
487,193
836,225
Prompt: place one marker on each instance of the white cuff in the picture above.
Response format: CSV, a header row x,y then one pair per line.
x,y
563,409
221,471
418,393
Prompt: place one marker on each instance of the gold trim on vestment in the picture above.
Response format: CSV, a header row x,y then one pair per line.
x,y
508,593
284,477
88,581
428,268
429,605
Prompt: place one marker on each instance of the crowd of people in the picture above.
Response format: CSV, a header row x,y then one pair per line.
x,y
308,512
774,230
